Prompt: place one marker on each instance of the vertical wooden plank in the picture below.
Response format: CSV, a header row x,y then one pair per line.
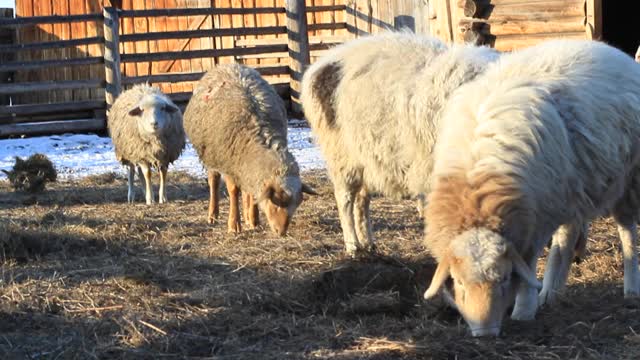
x,y
226,41
298,41
79,30
111,55
128,47
7,36
173,24
593,23
185,65
95,28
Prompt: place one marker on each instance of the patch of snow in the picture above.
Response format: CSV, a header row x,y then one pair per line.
x,y
76,156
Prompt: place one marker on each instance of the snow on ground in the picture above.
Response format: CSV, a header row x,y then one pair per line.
x,y
76,156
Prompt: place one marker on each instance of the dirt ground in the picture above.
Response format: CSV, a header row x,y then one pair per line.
x,y
84,275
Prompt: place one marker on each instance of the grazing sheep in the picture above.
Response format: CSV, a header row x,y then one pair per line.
x,y
147,132
374,105
546,138
238,125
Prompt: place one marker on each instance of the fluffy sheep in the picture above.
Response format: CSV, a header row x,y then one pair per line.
x,y
147,132
374,105
238,125
546,138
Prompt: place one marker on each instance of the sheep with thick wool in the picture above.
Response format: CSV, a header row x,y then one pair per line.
x,y
374,105
147,132
238,125
547,138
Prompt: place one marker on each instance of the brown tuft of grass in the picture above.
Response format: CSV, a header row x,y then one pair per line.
x,y
86,275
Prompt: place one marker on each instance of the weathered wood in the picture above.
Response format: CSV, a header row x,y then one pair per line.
x,y
475,8
328,26
593,25
30,65
7,38
323,8
272,30
542,10
298,37
54,19
313,40
49,85
113,85
52,44
474,32
31,109
53,127
561,25
195,76
200,11
514,42
170,55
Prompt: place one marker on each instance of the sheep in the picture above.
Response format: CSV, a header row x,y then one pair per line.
x,y
238,125
374,105
546,139
147,132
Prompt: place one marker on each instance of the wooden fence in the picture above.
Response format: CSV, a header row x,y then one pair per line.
x,y
60,81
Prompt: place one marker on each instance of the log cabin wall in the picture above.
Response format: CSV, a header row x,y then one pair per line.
x,y
513,24
327,27
373,16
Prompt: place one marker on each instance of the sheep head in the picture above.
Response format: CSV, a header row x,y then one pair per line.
x,y
153,114
486,272
280,199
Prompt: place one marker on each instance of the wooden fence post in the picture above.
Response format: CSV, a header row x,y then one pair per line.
x,y
7,36
298,40
111,55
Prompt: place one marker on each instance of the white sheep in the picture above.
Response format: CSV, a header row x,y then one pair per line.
x,y
374,105
238,125
547,137
146,129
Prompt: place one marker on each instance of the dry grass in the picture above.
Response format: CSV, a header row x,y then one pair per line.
x,y
85,275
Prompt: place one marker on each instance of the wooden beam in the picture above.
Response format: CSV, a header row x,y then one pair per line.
x,y
53,127
49,85
269,30
515,42
593,25
52,44
31,65
54,19
31,109
298,40
195,76
171,55
113,86
200,11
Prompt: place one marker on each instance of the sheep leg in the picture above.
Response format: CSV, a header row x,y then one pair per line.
x,y
162,198
130,179
526,298
629,237
233,224
146,172
362,220
249,210
213,178
345,200
626,215
563,245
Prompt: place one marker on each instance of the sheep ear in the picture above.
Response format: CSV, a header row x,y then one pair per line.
x,y
6,172
170,108
135,111
439,277
308,189
522,268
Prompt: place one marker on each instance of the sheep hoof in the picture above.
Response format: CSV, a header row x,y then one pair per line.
x,y
631,293
233,227
211,220
546,297
523,315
